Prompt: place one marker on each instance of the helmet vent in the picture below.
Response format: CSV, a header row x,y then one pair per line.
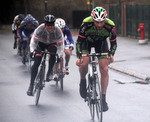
x,y
96,16
102,16
99,13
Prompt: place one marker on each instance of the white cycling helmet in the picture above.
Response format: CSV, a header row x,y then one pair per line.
x,y
60,23
99,14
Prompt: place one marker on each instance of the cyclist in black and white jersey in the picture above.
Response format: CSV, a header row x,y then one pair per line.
x,y
46,36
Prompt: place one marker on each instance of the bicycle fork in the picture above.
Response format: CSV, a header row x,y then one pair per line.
x,y
42,77
92,78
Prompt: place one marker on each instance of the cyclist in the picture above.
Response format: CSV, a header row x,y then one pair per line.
x,y
46,36
68,41
15,26
27,27
93,33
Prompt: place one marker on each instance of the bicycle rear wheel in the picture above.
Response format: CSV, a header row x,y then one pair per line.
x,y
61,73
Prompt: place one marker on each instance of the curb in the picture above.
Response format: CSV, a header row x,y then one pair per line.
x,y
145,78
124,70
128,72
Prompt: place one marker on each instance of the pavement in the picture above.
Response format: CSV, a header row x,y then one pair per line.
x,y
131,58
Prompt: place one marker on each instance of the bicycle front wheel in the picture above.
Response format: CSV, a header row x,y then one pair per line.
x,y
38,92
92,110
98,102
39,85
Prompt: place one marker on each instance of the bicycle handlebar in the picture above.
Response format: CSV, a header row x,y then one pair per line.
x,y
91,55
94,54
45,52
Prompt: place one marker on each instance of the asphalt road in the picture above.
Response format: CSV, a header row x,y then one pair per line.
x,y
127,103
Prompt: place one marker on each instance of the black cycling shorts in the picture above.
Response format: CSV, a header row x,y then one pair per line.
x,y
99,46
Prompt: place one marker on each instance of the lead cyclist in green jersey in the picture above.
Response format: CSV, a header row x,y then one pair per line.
x,y
94,31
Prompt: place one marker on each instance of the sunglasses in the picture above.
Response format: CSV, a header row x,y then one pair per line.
x,y
49,24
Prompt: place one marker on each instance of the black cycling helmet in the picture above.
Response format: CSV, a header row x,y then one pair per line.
x,y
21,16
49,19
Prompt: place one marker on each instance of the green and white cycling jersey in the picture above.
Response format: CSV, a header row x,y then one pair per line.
x,y
96,38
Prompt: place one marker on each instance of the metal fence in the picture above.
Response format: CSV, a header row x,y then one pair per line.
x,y
115,15
136,14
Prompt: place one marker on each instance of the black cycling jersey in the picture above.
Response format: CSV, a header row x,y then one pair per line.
x,y
89,37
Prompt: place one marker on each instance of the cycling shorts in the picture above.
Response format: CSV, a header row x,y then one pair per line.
x,y
26,37
67,44
99,46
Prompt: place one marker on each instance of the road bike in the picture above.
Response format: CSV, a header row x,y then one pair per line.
x,y
60,69
28,59
94,91
40,79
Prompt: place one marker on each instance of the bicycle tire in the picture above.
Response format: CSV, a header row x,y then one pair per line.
x,y
98,103
39,87
61,73
38,92
89,99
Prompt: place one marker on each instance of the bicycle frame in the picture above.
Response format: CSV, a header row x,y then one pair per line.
x,y
61,72
40,79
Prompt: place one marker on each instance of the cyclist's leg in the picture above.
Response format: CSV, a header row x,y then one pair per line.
x,y
67,58
24,46
19,44
15,40
67,54
53,49
103,67
34,70
83,69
